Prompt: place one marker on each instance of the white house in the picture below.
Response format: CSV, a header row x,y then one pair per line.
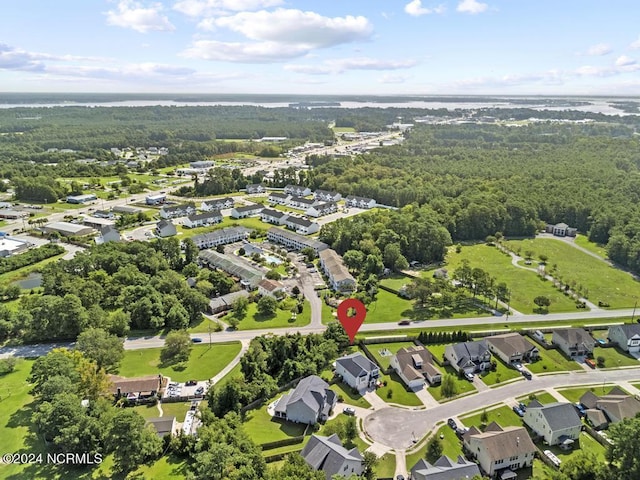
x,y
255,188
326,196
156,199
278,198
359,202
173,211
627,336
216,204
328,455
300,225
469,357
357,371
339,277
414,365
294,241
297,190
499,449
246,211
302,203
556,422
270,288
561,230
108,233
322,209
203,219
275,217
221,237
165,228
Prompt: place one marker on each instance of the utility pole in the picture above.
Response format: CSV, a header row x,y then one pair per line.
x,y
634,311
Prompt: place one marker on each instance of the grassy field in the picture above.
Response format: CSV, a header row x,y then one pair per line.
x,y
263,428
396,392
615,357
348,396
503,416
253,222
586,444
604,283
338,130
463,385
573,394
386,466
501,374
596,248
451,446
551,361
236,372
168,467
395,281
177,409
388,307
253,320
375,349
205,362
542,396
147,411
524,285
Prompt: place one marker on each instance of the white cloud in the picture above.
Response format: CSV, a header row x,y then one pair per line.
x,y
12,58
593,71
278,35
415,9
471,6
344,64
199,8
599,50
393,78
635,45
133,15
624,61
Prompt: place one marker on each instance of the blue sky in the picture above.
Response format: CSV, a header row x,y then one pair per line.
x,y
564,47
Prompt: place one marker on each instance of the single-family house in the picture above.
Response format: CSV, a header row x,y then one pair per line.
x,y
311,401
225,302
300,225
294,241
327,196
203,219
137,388
557,422
222,236
270,288
297,190
321,209
574,342
166,228
217,204
302,203
255,188
596,418
108,233
357,371
626,336
616,405
163,425
499,450
469,357
512,348
245,211
444,469
561,230
181,210
414,365
359,202
333,267
277,198
328,455
275,217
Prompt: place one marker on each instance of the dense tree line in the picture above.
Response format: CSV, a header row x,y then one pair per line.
x,y
30,257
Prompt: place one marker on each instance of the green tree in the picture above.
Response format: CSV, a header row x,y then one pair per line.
x,y
350,430
267,306
484,416
434,449
132,442
624,454
296,468
177,347
542,302
104,349
240,306
370,463
273,274
584,466
448,387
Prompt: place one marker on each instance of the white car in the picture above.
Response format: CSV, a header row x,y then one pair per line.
x,y
518,366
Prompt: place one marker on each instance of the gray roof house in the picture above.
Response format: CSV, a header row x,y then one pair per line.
x,y
310,401
328,454
444,469
357,371
469,356
414,364
512,347
627,336
245,211
557,422
165,228
163,425
573,341
616,405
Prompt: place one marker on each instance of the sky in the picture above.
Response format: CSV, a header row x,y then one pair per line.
x,y
383,47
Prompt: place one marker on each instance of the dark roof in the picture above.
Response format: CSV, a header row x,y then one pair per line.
x,y
164,223
204,215
218,201
182,206
573,336
328,454
629,329
108,229
357,364
299,221
162,425
559,415
249,208
359,199
306,201
273,213
279,195
444,469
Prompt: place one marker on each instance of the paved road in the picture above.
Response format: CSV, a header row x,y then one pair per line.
x,y
395,427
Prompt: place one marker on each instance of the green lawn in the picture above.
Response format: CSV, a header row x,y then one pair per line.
x,y
451,446
523,284
573,394
339,130
236,372
393,348
22,273
388,307
395,281
147,411
204,326
252,222
386,466
551,361
503,416
328,314
603,283
596,248
348,396
252,320
168,467
542,396
463,385
614,357
396,392
262,428
501,374
176,409
586,444
205,362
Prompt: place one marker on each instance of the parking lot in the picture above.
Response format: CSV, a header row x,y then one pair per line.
x,y
182,390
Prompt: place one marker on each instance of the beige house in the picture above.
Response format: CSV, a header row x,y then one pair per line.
x,y
499,449
414,365
512,348
574,342
616,405
339,277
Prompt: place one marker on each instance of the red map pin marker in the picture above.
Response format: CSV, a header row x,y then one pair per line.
x,y
351,324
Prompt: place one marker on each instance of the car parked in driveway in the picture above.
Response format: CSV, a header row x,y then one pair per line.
x,y
349,411
468,376
518,411
199,390
452,423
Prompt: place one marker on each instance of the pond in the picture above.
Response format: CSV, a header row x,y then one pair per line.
x,y
33,280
